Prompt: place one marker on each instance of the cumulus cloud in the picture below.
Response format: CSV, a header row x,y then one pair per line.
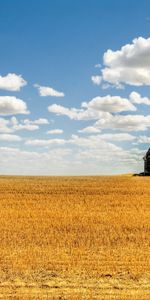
x,y
10,105
92,141
49,162
12,82
87,152
10,138
77,114
128,65
125,159
96,79
90,129
96,141
13,124
27,124
137,99
97,108
29,127
118,137
44,142
106,111
144,139
23,125
112,104
48,91
55,131
125,122
40,121
76,155
4,126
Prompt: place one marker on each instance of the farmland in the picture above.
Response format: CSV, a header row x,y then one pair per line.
x,y
75,237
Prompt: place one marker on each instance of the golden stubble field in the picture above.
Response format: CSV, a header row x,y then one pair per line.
x,y
75,237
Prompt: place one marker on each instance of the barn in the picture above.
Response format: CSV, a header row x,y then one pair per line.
x,y
147,163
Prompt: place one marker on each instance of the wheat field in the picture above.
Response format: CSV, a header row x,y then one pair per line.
x,y
75,237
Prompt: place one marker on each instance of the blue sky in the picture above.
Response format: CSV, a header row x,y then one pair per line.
x,y
68,105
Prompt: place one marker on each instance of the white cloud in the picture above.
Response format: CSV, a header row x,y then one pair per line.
x,y
77,114
84,156
55,131
105,110
118,137
110,104
29,127
26,124
4,126
97,108
97,66
40,142
137,99
100,140
92,141
12,82
48,91
10,138
96,79
90,129
144,139
40,121
10,105
12,124
125,123
129,65
13,121
49,162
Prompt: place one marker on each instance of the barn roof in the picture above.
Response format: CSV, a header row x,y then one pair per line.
x,y
148,153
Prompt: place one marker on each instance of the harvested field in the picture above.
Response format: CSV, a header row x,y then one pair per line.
x,y
75,237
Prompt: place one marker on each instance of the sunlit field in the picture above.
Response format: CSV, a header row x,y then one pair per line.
x,y
75,237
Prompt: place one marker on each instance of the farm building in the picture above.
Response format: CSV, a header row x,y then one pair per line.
x,y
147,163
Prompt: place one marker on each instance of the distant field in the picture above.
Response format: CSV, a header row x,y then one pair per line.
x,y
75,238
